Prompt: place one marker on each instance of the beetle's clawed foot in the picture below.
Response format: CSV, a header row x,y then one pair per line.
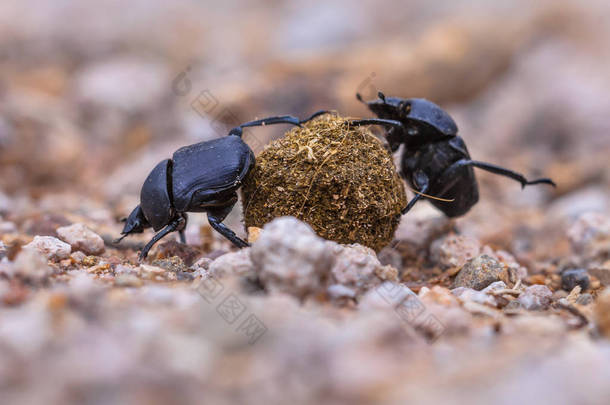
x,y
538,181
118,240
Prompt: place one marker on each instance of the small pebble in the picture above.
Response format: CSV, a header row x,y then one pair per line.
x,y
340,291
602,313
173,264
454,250
203,263
357,267
573,277
127,280
535,298
31,265
559,294
82,238
480,272
233,263
498,285
172,248
7,227
52,248
78,256
289,257
148,271
89,261
253,234
468,294
386,295
601,272
584,299
122,269
590,236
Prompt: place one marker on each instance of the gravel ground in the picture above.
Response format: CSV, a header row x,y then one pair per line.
x,y
508,304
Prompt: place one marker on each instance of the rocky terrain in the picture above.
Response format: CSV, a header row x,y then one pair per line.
x,y
507,304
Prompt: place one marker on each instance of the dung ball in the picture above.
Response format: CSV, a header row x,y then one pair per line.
x,y
338,178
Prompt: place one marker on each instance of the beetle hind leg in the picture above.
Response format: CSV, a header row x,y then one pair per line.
x,y
510,174
215,218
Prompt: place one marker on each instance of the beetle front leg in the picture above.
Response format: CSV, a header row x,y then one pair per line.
x,y
378,121
215,218
422,182
283,119
183,228
173,226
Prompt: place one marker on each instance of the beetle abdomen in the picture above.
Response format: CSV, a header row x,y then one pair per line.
x,y
213,167
155,199
463,191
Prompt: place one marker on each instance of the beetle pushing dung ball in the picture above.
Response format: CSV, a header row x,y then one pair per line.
x,y
203,177
353,199
435,159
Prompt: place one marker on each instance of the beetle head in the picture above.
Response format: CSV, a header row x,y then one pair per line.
x,y
424,121
391,108
135,223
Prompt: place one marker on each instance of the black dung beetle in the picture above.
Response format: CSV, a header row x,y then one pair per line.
x,y
203,177
435,159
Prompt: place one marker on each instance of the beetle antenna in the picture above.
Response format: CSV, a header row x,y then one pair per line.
x,y
431,196
382,97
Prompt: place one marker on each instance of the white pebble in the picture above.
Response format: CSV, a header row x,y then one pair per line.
x,y
82,238
52,248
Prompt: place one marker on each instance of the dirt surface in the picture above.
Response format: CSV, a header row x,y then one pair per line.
x,y
507,304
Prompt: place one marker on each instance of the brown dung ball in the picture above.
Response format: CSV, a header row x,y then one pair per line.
x,y
338,178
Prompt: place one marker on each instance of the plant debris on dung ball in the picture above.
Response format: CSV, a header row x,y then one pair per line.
x,y
338,178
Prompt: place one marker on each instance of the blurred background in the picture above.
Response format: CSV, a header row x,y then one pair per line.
x,y
93,93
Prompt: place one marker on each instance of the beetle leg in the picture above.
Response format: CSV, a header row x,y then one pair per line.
x,y
422,183
393,137
283,119
215,218
314,115
173,226
377,121
412,203
501,171
509,173
181,231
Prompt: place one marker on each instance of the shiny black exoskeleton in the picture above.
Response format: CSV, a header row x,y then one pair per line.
x,y
203,177
435,160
